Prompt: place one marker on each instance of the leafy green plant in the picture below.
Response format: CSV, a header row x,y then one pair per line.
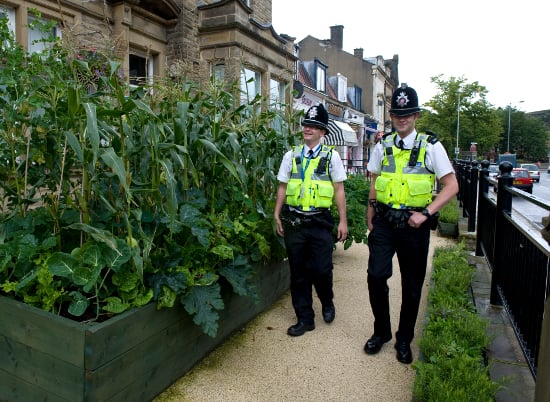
x,y
449,213
116,197
357,194
455,337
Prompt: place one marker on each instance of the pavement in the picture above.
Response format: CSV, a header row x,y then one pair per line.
x,y
261,363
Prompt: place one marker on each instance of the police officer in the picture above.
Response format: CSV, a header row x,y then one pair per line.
x,y
404,166
311,177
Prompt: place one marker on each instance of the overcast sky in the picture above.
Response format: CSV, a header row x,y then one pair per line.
x,y
502,44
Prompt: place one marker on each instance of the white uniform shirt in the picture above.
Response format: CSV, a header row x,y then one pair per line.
x,y
436,158
335,167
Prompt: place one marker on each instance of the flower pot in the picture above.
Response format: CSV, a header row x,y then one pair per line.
x,y
447,229
130,357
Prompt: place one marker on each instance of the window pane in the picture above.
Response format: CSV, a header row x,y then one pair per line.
x,y
9,13
38,37
321,77
250,84
218,72
276,93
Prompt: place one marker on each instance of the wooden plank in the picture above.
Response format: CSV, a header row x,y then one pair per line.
x,y
43,331
131,368
13,389
272,281
163,359
110,339
49,374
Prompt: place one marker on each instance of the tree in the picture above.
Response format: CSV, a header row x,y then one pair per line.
x,y
528,136
459,112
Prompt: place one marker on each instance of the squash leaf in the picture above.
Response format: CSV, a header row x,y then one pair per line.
x,y
201,302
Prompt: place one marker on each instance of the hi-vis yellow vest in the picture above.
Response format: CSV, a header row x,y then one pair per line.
x,y
310,186
402,184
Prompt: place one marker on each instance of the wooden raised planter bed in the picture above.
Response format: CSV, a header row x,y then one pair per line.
x,y
131,357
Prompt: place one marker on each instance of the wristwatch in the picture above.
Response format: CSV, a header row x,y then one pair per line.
x,y
426,213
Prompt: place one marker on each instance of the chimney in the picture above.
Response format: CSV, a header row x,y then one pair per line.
x,y
358,53
337,36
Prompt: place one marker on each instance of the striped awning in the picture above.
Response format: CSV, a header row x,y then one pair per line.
x,y
340,133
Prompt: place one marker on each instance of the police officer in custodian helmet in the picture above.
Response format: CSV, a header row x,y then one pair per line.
x,y
403,166
311,177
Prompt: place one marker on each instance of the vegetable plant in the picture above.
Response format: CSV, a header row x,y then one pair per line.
x,y
115,197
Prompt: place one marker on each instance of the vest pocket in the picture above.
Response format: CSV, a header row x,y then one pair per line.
x,y
382,183
293,192
324,194
419,187
292,188
420,193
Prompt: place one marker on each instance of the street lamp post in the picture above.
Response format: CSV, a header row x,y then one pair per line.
x,y
509,112
457,149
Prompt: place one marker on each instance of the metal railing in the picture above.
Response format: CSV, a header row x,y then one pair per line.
x,y
517,255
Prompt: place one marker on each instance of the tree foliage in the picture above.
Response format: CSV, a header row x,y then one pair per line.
x,y
460,110
460,114
528,135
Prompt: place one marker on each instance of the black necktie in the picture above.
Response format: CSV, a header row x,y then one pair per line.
x,y
310,154
401,144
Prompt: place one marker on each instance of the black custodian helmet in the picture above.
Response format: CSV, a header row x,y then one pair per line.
x,y
404,101
316,116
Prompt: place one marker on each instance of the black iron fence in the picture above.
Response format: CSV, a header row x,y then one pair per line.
x,y
517,255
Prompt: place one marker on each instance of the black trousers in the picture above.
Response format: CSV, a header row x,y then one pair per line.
x,y
309,249
411,246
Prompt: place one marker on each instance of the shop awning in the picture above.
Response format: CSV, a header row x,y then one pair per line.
x,y
340,133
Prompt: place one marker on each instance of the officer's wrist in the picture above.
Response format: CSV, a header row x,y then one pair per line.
x,y
426,213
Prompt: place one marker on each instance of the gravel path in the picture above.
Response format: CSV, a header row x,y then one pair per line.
x,y
261,363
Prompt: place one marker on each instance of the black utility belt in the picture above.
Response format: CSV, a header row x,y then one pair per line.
x,y
378,206
305,214
399,217
296,219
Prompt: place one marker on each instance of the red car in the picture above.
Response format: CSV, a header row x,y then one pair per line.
x,y
522,180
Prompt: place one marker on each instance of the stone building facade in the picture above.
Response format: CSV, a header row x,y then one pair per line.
x,y
153,38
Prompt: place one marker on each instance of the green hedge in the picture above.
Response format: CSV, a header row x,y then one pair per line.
x,y
453,366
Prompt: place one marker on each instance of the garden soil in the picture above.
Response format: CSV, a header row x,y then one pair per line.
x,y
261,363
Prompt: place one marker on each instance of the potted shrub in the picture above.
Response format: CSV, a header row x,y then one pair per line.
x,y
448,219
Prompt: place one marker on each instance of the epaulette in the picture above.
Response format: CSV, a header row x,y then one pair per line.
x,y
432,137
385,135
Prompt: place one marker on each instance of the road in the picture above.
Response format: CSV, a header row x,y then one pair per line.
x,y
531,212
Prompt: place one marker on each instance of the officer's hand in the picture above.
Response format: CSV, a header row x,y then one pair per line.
x,y
342,231
280,230
416,219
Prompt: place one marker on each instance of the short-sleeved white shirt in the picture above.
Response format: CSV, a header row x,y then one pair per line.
x,y
436,159
335,167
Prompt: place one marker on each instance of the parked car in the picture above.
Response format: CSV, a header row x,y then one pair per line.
x,y
522,180
533,170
